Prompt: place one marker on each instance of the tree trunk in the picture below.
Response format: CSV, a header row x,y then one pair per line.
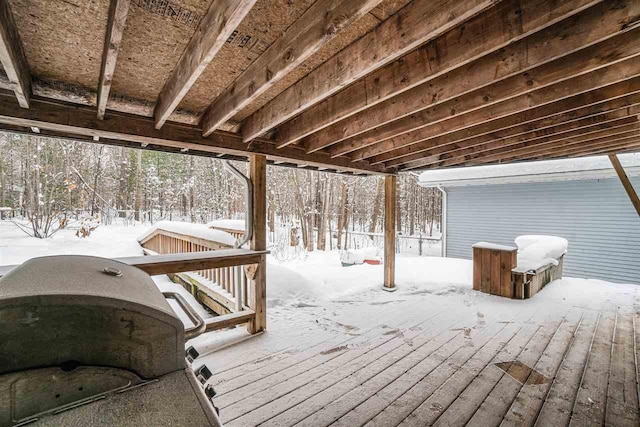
x,y
138,184
342,212
376,208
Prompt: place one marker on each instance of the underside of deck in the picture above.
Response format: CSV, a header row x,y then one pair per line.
x,y
566,357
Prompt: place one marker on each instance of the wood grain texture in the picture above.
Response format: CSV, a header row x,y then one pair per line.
x,y
258,293
626,183
316,27
390,206
422,107
13,57
75,121
561,98
221,19
572,127
487,48
413,25
118,12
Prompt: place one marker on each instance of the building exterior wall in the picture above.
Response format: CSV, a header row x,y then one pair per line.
x,y
596,216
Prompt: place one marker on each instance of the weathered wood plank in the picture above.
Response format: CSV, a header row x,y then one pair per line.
x,y
413,25
626,183
552,44
13,58
76,121
591,400
508,261
510,127
316,27
585,96
228,320
292,408
496,276
485,272
390,202
540,86
527,404
118,12
566,130
622,391
484,33
607,132
221,19
258,293
193,261
477,268
559,148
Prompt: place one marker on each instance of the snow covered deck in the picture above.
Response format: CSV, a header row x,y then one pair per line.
x,y
436,355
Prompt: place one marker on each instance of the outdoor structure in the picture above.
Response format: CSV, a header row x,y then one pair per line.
x,y
581,200
360,87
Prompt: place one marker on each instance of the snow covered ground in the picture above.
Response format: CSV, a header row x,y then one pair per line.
x,y
318,283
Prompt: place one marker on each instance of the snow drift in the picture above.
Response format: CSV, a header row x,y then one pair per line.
x,y
535,251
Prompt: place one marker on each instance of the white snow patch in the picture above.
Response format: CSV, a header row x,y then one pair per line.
x,y
536,251
166,285
196,230
229,224
107,241
322,276
493,246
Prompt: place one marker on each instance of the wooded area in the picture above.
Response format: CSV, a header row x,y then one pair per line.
x,y
51,180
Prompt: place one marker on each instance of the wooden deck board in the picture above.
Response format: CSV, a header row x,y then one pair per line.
x,y
431,365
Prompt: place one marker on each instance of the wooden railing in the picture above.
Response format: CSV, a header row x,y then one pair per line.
x,y
186,262
223,289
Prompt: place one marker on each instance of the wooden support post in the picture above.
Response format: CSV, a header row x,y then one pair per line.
x,y
626,183
390,196
258,299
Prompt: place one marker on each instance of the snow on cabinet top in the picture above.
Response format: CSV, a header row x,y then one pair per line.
x,y
196,230
549,170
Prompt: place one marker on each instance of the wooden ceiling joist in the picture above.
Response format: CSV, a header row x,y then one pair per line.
x,y
513,126
12,56
316,27
73,120
413,25
564,130
605,145
611,133
483,35
118,12
215,28
515,88
541,101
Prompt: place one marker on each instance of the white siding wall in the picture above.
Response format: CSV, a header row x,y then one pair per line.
x,y
596,216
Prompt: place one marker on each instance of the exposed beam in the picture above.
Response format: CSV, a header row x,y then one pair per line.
x,y
316,27
563,96
413,25
449,56
12,56
258,298
214,29
558,149
80,121
390,205
118,11
595,149
600,102
411,106
613,132
626,183
566,130
562,124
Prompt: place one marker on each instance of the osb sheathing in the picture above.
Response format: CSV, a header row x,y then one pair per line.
x,y
265,23
63,39
152,44
200,97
